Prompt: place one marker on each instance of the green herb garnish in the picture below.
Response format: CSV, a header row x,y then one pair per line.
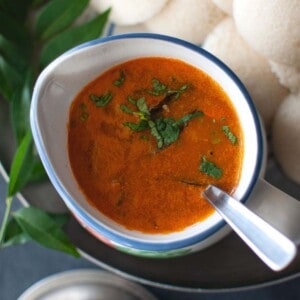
x,y
232,138
119,82
159,88
84,114
165,130
140,126
209,168
103,100
185,119
126,109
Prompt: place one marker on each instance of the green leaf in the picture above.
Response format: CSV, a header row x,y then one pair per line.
x,y
17,10
38,172
232,138
118,82
20,107
188,117
73,37
13,54
142,106
158,88
21,166
102,100
166,133
57,15
126,109
14,234
14,31
209,168
10,79
140,126
59,218
39,226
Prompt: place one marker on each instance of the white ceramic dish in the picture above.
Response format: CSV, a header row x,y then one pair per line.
x,y
56,88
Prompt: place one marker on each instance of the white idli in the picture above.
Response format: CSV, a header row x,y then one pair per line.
x,y
129,12
272,27
225,5
252,68
285,137
288,76
191,20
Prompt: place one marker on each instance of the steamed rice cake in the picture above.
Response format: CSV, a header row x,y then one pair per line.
x,y
251,67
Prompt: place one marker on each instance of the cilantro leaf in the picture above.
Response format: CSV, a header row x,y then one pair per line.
x,y
118,82
188,117
209,168
167,129
232,138
140,126
158,88
103,100
126,109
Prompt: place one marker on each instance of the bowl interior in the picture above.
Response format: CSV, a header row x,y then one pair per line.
x,y
64,78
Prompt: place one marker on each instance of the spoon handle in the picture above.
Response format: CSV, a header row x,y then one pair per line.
x,y
270,245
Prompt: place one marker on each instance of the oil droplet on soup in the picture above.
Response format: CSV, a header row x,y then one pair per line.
x,y
147,136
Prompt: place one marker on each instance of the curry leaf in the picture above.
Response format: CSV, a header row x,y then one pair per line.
x,y
12,54
57,15
20,106
10,79
72,37
17,10
38,172
14,234
13,31
21,166
43,229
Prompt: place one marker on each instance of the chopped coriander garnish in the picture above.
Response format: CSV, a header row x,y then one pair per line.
x,y
165,130
126,109
131,100
118,82
209,168
188,117
159,88
84,114
103,100
232,138
140,126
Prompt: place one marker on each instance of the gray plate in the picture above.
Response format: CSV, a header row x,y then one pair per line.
x,y
227,266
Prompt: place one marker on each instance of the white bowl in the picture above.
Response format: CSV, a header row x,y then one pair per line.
x,y
56,88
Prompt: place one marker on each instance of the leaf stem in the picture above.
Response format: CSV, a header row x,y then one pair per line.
x,y
8,202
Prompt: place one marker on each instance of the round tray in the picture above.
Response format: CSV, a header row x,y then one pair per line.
x,y
229,265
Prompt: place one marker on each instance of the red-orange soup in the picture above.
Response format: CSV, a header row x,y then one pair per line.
x,y
147,136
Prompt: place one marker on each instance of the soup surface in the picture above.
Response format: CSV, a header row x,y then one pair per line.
x,y
147,136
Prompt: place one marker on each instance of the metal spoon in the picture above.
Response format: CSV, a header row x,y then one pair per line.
x,y
270,245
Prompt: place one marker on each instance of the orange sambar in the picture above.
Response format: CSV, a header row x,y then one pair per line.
x,y
147,136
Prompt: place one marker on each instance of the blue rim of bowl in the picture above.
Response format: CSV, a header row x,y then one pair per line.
x,y
88,220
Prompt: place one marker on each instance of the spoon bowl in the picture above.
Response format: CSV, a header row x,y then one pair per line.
x,y
270,245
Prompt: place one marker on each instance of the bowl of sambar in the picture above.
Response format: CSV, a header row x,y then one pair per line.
x,y
132,128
